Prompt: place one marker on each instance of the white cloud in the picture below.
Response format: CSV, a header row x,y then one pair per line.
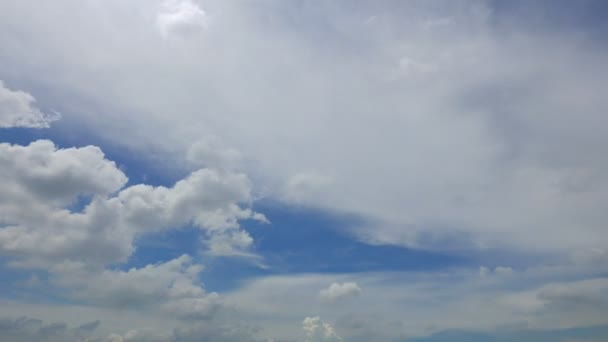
x,y
235,243
206,198
209,152
172,288
40,181
41,172
426,127
403,305
18,109
305,186
39,230
180,16
472,147
337,292
318,331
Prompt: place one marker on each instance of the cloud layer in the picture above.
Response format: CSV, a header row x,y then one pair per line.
x,y
466,127
435,122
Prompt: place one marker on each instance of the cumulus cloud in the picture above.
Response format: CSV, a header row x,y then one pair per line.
x,y
38,230
41,172
18,109
206,198
41,180
337,292
317,330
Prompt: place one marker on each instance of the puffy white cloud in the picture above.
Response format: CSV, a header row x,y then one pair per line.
x,y
40,172
41,180
337,292
207,198
316,330
38,230
18,109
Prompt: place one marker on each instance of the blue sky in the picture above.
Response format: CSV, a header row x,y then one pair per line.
x,y
177,170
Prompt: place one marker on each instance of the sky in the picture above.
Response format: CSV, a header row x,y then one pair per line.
x,y
270,170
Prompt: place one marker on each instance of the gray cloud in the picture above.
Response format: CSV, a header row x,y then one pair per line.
x,y
26,329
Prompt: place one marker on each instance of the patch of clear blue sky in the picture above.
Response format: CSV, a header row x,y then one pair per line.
x,y
299,240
